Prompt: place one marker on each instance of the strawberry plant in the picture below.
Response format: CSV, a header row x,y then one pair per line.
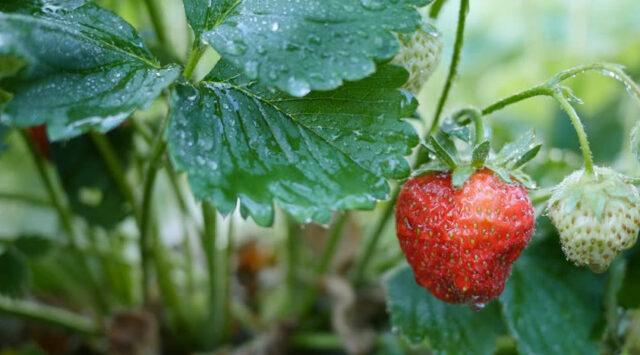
x,y
216,176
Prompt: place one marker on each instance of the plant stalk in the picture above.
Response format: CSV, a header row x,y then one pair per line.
x,y
372,241
66,219
577,125
335,236
155,14
49,315
116,170
208,242
157,156
453,67
194,59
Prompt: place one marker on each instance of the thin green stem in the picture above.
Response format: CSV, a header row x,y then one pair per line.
x,y
610,70
436,7
193,61
472,114
335,236
577,125
66,219
372,241
453,67
117,172
541,90
49,315
225,277
541,196
157,156
292,252
155,14
28,199
317,341
208,242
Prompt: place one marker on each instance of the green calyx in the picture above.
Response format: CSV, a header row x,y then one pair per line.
x,y
463,150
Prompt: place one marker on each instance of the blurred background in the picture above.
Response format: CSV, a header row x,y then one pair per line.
x,y
510,46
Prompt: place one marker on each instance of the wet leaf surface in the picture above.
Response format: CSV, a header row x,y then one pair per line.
x,y
85,68
329,151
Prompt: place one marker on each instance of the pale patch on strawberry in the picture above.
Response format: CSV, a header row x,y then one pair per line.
x,y
597,217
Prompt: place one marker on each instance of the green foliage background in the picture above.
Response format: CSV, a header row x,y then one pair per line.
x,y
510,45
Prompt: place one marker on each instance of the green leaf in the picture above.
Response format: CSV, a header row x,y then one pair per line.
x,y
10,65
461,174
92,193
480,154
502,173
14,272
85,68
519,151
635,141
629,295
4,131
454,129
430,167
450,329
239,140
204,14
524,179
527,156
545,295
299,46
33,246
443,151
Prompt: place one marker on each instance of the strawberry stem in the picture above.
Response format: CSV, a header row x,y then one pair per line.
x,y
453,68
577,125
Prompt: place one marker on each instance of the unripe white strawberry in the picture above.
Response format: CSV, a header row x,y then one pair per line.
x,y
596,215
420,54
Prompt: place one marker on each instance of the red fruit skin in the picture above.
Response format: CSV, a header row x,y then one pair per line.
x,y
38,137
461,242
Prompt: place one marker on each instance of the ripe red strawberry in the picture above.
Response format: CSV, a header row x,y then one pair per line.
x,y
461,242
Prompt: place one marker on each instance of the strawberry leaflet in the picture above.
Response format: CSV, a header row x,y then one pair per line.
x,y
240,141
83,67
299,46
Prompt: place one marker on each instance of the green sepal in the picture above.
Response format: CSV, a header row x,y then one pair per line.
x,y
513,151
501,172
461,174
527,156
454,129
434,166
480,154
524,179
444,149
635,141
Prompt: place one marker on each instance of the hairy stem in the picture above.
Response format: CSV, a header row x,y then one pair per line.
x,y
155,14
192,63
535,91
577,125
49,315
335,236
208,242
372,241
116,170
453,67
66,219
24,198
157,156
292,261
436,8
